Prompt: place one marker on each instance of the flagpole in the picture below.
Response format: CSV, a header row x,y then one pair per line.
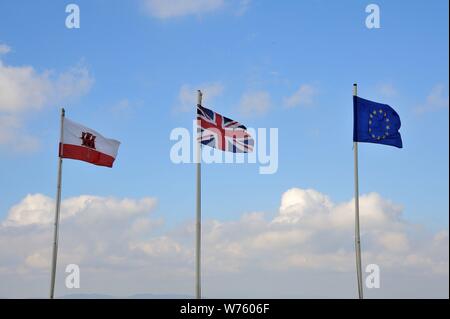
x,y
357,235
57,209
198,225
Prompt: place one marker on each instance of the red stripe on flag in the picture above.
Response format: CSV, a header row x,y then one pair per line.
x,y
85,154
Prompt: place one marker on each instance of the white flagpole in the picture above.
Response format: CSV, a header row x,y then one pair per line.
x,y
357,236
57,210
198,225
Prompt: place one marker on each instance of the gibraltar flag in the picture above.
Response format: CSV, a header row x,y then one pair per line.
x,y
84,144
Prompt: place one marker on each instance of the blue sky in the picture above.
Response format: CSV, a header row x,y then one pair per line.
x,y
271,48
139,61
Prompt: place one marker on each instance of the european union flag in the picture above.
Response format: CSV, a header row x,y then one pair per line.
x,y
375,123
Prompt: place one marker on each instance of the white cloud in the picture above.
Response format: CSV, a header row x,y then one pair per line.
x,y
24,90
436,100
4,49
123,249
164,9
296,203
159,246
187,96
33,209
255,103
37,260
303,97
396,242
38,209
310,211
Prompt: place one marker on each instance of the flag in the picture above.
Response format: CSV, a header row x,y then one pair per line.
x,y
84,144
222,133
375,123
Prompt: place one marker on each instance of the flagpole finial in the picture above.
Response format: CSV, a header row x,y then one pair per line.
x,y
199,97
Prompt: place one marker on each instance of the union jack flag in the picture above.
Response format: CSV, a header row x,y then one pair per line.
x,y
222,133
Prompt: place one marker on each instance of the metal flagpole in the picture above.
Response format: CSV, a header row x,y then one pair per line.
x,y
198,225
57,210
357,236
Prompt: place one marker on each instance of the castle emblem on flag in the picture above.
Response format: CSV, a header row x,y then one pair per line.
x,y
81,143
88,139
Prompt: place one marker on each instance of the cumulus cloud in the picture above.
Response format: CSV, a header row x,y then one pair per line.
x,y
164,9
23,89
317,210
38,209
393,241
305,250
187,96
303,97
436,100
255,103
